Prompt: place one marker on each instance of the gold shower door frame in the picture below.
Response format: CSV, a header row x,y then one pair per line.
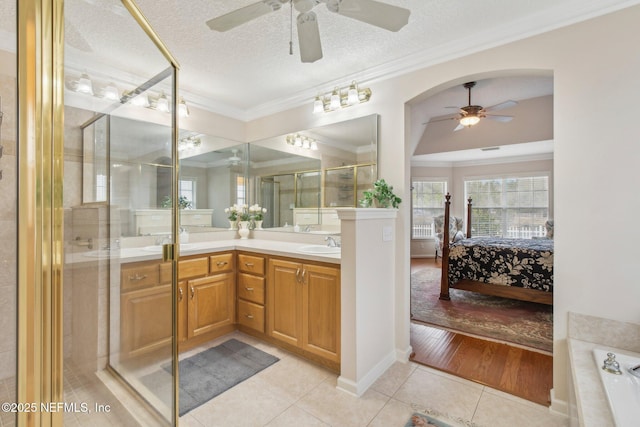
x,y
39,375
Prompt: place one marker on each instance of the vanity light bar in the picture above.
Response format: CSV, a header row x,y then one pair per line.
x,y
109,91
341,98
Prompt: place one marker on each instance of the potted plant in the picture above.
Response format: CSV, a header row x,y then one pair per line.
x,y
183,202
381,196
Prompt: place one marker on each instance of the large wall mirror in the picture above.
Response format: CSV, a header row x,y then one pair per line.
x,y
299,178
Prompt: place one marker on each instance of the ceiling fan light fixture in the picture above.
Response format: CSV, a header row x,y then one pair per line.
x,y
469,120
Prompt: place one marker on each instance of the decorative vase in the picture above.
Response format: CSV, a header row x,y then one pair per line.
x,y
258,224
233,224
243,229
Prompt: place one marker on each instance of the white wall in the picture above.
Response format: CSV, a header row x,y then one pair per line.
x,y
595,65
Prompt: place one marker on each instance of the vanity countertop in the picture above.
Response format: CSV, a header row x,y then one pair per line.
x,y
269,247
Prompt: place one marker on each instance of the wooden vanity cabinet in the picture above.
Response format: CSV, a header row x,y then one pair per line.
x,y
145,307
303,306
206,297
251,291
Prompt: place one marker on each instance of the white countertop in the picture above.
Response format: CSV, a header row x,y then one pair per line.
x,y
269,247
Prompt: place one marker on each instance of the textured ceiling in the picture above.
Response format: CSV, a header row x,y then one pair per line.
x,y
247,72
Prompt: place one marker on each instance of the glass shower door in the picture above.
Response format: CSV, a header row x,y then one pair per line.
x,y
120,352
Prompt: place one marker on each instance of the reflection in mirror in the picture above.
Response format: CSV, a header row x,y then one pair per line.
x,y
318,170
299,178
213,177
94,160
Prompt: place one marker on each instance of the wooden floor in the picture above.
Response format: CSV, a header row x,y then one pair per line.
x,y
514,370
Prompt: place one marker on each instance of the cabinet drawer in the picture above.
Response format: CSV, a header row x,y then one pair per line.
x,y
193,267
221,263
251,315
251,264
251,288
139,275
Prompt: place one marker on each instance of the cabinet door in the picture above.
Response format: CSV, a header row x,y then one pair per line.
x,y
284,298
148,327
321,311
211,303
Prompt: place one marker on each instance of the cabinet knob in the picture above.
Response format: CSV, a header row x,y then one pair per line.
x,y
137,277
298,275
249,289
221,263
193,292
180,294
248,264
248,316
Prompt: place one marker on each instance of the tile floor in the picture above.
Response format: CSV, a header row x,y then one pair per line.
x,y
294,392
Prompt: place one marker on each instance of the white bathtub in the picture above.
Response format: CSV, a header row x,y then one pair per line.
x,y
623,391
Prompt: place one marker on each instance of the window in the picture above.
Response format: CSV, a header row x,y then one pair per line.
x,y
514,207
187,189
240,190
427,202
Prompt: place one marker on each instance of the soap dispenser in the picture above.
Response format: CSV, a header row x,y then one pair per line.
x,y
184,235
296,228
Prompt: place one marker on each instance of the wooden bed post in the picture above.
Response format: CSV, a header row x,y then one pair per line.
x,y
444,279
469,218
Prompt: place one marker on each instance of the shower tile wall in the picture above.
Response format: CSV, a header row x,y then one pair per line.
x,y
8,221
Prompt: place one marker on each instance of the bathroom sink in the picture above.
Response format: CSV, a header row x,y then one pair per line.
x,y
103,253
623,391
158,248
319,249
325,232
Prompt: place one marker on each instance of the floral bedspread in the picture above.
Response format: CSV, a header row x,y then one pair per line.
x,y
525,263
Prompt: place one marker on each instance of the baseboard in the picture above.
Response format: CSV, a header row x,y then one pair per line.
x,y
357,388
404,355
558,407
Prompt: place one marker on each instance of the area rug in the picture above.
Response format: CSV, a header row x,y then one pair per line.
x,y
429,418
210,373
519,322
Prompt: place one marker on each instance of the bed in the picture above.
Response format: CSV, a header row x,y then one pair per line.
x,y
511,268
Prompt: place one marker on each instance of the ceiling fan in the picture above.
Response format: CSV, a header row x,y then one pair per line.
x,y
472,114
373,12
234,160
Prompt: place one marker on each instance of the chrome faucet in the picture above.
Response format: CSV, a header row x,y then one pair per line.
x,y
611,365
331,242
307,228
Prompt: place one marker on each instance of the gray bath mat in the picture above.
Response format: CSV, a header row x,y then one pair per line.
x,y
210,373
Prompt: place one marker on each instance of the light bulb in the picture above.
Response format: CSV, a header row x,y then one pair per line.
x,y
110,92
141,100
314,145
84,84
469,120
335,100
318,105
163,103
352,94
183,110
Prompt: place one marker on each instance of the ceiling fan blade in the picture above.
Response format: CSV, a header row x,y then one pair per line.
x,y
502,119
382,15
442,119
74,39
459,127
502,106
240,16
309,37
